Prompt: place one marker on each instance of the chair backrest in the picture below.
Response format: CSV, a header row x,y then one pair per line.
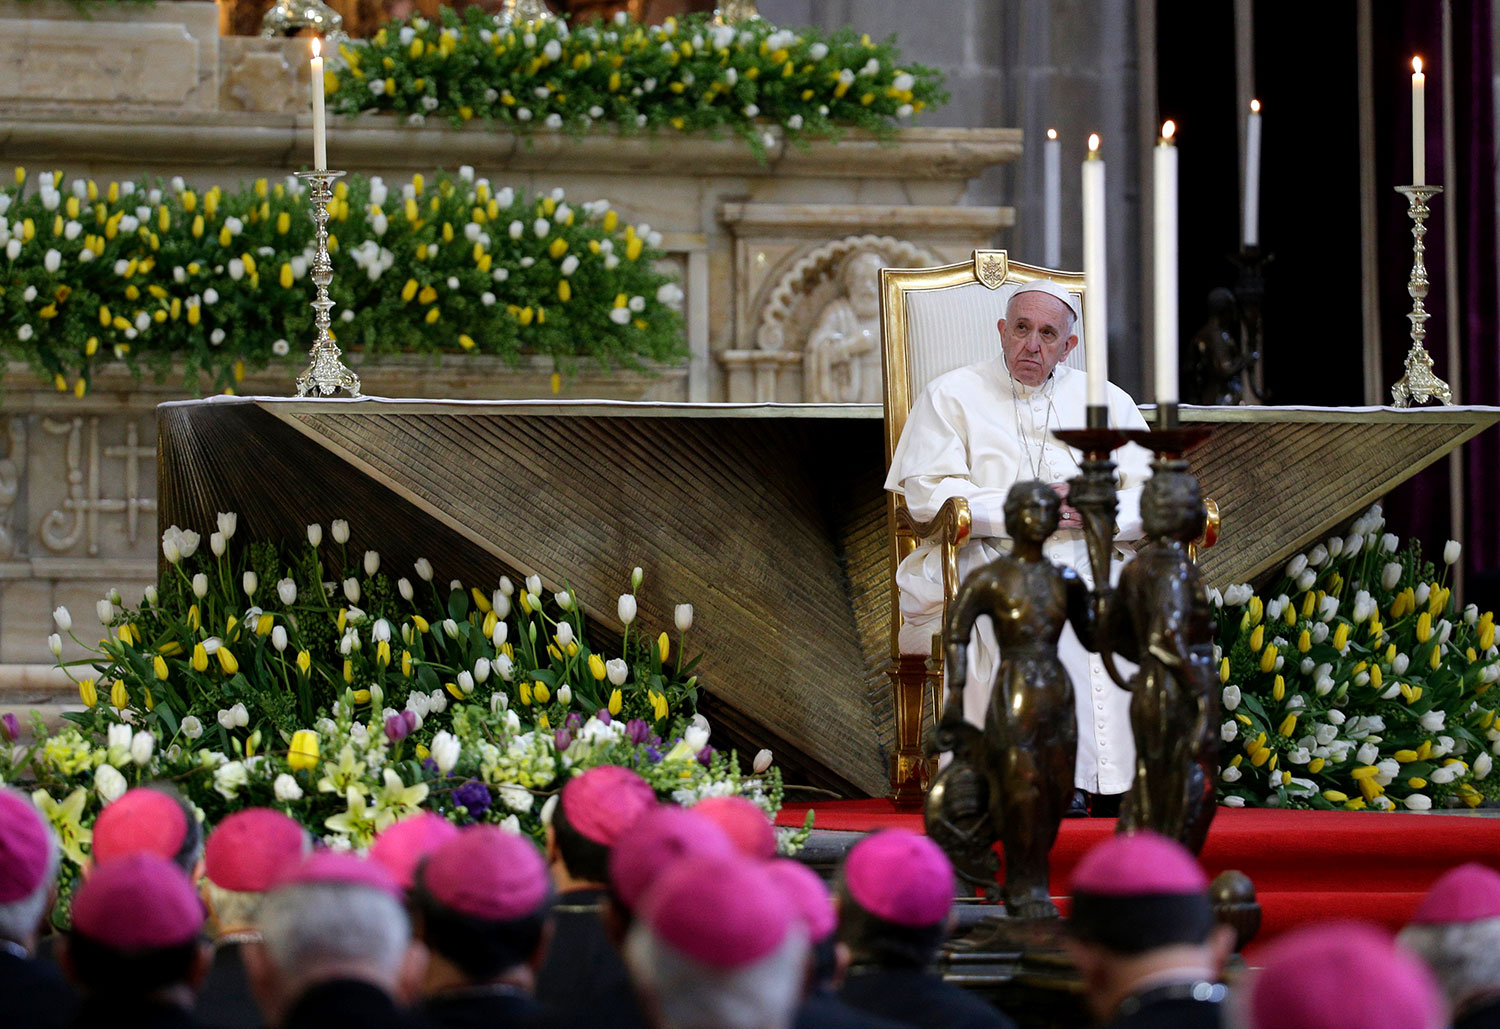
x,y
933,320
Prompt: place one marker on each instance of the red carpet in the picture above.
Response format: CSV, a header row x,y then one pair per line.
x,y
1306,865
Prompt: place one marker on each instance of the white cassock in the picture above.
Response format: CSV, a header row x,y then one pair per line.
x,y
973,433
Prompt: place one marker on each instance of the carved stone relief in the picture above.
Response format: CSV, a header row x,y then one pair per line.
x,y
76,519
827,306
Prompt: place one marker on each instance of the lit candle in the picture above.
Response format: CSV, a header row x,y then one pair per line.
x,y
1166,265
1418,124
1252,176
1052,200
1095,263
320,137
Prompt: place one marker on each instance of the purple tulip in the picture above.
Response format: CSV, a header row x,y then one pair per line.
x,y
574,721
473,796
400,726
637,731
564,739
705,756
10,727
604,716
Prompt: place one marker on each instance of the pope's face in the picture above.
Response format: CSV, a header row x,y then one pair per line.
x,y
1032,336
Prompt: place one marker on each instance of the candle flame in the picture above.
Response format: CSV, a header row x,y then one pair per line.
x,y
317,47
1093,142
1416,65
1255,106
1168,130
1051,133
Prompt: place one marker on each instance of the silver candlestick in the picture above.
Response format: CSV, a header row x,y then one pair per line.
x,y
325,373
1419,384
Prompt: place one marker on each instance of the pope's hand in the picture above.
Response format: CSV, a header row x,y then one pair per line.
x,y
1069,518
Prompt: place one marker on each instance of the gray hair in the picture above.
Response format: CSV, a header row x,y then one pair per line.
x,y
320,925
692,995
232,908
1465,957
1072,317
20,918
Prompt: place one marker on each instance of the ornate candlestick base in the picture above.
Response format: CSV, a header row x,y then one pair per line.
x,y
1419,384
325,373
289,17
732,12
519,12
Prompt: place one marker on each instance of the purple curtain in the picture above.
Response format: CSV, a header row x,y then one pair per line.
x,y
1421,507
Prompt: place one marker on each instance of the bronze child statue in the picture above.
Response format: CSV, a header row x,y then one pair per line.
x,y
1159,617
1030,736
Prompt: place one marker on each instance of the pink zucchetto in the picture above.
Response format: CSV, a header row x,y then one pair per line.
x,y
140,821
744,823
402,846
901,877
487,873
808,894
1139,864
603,802
333,868
723,911
138,902
249,850
24,848
653,843
1342,974
1468,893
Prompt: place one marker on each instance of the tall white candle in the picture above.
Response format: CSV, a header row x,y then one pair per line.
x,y
1165,208
320,137
1418,124
1252,176
1095,283
1052,200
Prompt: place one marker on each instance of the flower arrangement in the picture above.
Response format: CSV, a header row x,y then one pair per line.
x,y
300,676
1356,682
689,75
157,273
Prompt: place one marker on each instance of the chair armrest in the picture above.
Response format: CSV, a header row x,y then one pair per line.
x,y
949,529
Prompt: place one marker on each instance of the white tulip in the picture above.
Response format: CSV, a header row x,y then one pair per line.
x,y
506,586
403,586
695,738
626,608
1451,550
445,749
636,577
545,816
62,618
217,543
1229,731
1233,801
617,671
762,761
437,701
1483,765
106,611
1231,774
564,634
315,534
200,585
54,644
286,789
501,603
250,581
683,616
1317,555
228,522
481,669
1231,697
564,694
564,600
241,716
1418,802
226,718
1389,543
503,667
191,727
498,637
109,783
1433,721
450,628
1306,580
534,585
141,745
1299,756
424,569
380,632
465,682
150,596
278,638
340,530
351,589
1295,566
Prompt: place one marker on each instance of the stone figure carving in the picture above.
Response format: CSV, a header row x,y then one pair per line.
x,y
842,357
1030,734
1159,616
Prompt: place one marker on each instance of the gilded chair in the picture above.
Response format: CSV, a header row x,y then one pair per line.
x,y
934,320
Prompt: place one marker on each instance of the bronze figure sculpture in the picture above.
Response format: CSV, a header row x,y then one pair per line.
x,y
1030,734
1159,617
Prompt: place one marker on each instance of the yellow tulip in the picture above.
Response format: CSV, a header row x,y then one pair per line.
x,y
1341,636
1406,757
1268,658
1224,670
150,702
1304,642
159,665
615,700
200,658
264,624
406,663
480,600
349,678
119,696
1424,627
1260,757
663,646
420,623
227,661
596,667
1310,603
1377,677
1335,796
304,662
1316,765
1288,725
1255,609
1370,788
525,692
303,754
90,696
541,693
1436,660
1258,638
1416,782
383,653
1364,772
194,619
1278,689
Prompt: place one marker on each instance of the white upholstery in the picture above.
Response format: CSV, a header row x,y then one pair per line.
x,y
953,327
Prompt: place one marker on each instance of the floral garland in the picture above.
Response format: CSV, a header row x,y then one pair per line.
x,y
1356,682
298,676
689,75
154,274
